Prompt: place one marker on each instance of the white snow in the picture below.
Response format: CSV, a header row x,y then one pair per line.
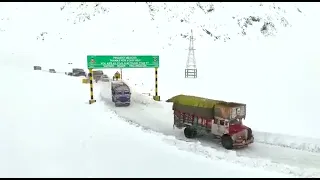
x,y
49,130
158,117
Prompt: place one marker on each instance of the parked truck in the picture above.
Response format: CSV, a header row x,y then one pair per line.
x,y
78,72
36,67
223,119
121,95
52,71
96,75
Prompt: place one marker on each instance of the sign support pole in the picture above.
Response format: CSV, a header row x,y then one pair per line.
x,y
121,73
156,97
91,101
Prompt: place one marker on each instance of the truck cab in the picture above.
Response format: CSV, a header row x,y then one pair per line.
x,y
121,95
231,130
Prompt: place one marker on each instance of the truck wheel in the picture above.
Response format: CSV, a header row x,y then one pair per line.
x,y
190,132
227,142
249,133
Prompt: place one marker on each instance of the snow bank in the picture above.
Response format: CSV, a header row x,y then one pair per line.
x,y
295,142
283,140
153,119
47,130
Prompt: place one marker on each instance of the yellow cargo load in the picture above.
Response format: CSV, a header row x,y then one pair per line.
x,y
207,108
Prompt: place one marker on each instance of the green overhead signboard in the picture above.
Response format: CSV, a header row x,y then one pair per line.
x,y
101,62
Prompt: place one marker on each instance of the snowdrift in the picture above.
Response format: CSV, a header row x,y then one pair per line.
x,y
295,142
156,117
59,135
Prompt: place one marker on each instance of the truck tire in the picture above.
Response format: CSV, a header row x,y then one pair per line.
x,y
227,142
249,133
190,132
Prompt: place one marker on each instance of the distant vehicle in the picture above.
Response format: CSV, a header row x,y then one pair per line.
x,y
36,67
116,76
96,75
104,78
78,72
52,71
121,95
200,116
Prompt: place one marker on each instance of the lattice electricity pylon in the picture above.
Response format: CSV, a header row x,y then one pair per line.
x,y
191,67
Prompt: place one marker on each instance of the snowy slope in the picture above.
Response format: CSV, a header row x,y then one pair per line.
x,y
48,130
154,116
263,133
275,76
216,21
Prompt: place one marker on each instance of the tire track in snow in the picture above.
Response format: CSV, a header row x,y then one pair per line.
x,y
287,141
281,140
213,153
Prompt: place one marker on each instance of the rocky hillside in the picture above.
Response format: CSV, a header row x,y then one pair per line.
x,y
216,20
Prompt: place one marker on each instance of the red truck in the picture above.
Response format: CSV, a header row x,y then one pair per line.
x,y
207,116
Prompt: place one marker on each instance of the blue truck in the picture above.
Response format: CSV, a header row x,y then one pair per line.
x,y
121,94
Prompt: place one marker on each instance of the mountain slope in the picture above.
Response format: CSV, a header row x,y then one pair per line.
x,y
214,20
48,130
276,76
282,68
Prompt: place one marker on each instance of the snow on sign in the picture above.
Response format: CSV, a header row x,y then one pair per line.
x,y
101,62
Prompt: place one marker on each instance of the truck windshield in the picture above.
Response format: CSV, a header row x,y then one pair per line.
x,y
234,121
126,92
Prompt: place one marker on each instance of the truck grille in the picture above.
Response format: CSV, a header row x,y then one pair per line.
x,y
242,135
123,99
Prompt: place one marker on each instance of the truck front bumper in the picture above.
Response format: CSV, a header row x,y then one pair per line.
x,y
243,143
119,103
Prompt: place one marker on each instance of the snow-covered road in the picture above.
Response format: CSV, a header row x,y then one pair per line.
x,y
157,116
48,130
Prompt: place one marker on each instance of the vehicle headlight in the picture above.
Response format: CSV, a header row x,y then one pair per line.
x,y
241,134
